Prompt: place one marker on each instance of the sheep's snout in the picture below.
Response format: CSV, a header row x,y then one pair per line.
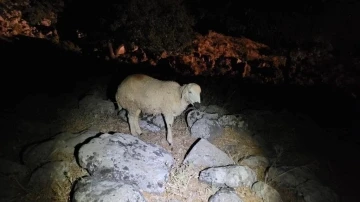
x,y
197,105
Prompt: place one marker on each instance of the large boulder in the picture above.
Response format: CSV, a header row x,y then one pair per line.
x,y
125,158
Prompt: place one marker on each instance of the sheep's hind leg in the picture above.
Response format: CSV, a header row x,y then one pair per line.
x,y
133,117
138,129
169,120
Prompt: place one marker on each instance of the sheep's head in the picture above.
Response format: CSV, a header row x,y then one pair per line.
x,y
191,94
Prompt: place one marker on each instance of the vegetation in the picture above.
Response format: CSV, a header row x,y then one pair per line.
x,y
155,25
43,9
161,25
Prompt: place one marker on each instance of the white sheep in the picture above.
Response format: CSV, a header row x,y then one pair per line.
x,y
141,93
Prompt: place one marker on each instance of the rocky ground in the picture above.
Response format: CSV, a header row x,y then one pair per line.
x,y
289,140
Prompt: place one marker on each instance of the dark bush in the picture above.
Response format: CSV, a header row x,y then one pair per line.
x,y
155,25
43,9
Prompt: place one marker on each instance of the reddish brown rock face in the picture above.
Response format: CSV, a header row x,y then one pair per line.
x,y
217,54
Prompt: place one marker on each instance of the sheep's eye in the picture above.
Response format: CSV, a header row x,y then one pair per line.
x,y
190,92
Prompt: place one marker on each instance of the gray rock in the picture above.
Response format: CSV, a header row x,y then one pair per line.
x,y
213,109
11,175
96,105
266,192
61,147
313,191
228,176
49,174
193,116
254,161
123,115
93,189
302,182
206,128
203,125
232,120
8,167
154,123
205,154
124,157
38,154
196,115
225,195
258,163
290,176
156,120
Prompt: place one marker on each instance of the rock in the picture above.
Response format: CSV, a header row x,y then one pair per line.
x,y
206,129
154,123
302,183
61,147
157,120
96,105
257,163
124,157
313,191
123,115
266,192
214,109
205,154
96,189
232,120
225,195
218,54
196,115
11,175
290,176
228,176
8,167
49,175
192,117
203,125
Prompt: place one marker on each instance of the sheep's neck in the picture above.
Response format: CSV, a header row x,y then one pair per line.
x,y
184,105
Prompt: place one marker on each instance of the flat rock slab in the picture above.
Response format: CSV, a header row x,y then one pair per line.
x,y
93,189
126,158
205,154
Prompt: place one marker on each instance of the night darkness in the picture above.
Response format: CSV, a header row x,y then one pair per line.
x,y
289,69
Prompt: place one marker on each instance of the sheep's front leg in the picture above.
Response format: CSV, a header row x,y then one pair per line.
x,y
169,120
133,117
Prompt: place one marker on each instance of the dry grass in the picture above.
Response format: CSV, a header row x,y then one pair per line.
x,y
237,144
247,195
183,185
58,190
